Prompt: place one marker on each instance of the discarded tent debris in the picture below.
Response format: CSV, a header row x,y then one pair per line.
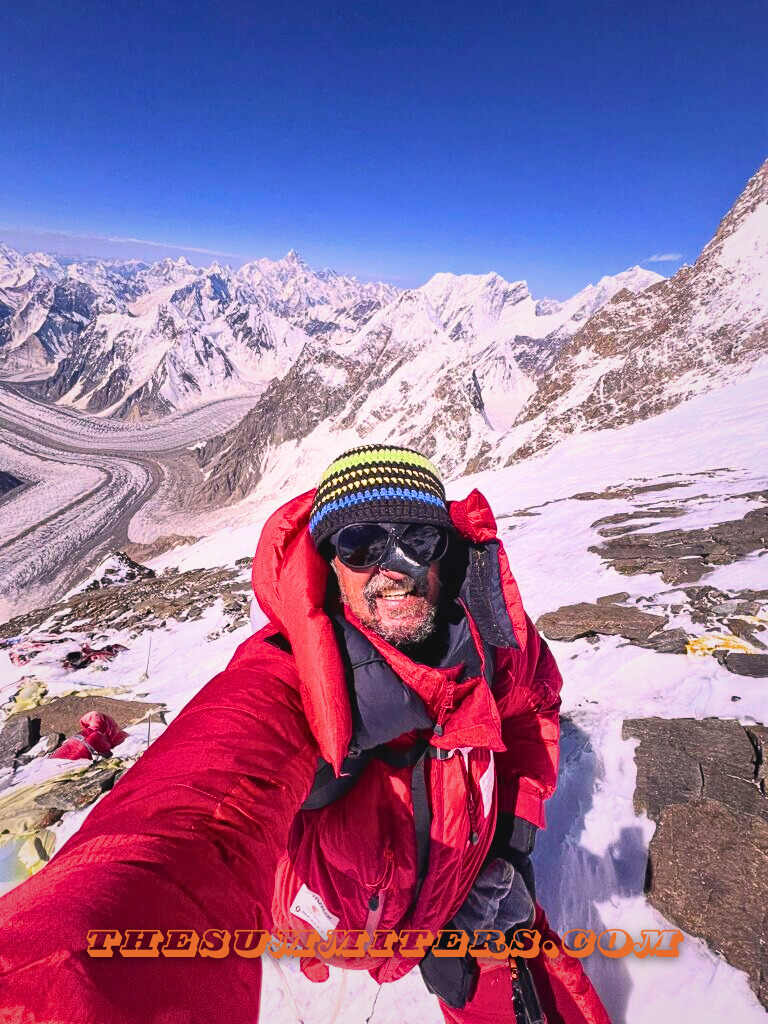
x,y
87,655
99,734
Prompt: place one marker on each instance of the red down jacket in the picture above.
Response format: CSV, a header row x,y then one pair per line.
x,y
218,841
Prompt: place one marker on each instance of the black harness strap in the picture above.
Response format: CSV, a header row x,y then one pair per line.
x,y
422,820
422,816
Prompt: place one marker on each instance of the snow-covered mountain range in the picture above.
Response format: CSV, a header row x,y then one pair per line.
x,y
474,372
470,369
132,341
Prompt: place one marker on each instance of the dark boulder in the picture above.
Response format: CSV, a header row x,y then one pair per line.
x,y
73,794
703,783
753,665
583,620
17,735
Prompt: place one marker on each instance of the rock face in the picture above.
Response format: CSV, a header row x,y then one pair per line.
x,y
142,603
683,556
584,619
644,353
703,783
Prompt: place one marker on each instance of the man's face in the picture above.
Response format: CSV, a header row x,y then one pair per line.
x,y
399,608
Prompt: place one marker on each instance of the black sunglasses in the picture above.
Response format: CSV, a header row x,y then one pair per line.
x,y
365,544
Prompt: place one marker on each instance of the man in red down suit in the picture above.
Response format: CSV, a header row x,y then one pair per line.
x,y
376,757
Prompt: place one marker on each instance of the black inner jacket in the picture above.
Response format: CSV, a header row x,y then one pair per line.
x,y
382,706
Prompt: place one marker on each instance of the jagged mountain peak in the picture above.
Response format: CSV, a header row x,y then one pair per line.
x,y
16,268
290,286
489,295
752,201
635,278
644,353
292,256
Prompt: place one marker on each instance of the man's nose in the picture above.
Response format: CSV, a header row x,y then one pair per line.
x,y
394,574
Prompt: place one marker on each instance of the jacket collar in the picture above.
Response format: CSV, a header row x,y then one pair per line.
x,y
289,581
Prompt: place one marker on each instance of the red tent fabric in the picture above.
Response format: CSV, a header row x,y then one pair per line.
x,y
99,733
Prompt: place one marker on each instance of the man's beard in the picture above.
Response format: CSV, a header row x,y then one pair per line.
x,y
394,633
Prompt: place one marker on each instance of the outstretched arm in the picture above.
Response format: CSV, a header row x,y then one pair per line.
x,y
188,839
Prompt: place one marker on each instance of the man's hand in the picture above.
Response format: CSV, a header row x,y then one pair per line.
x,y
513,841
499,899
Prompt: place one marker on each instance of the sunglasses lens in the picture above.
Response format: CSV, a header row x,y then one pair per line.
x,y
428,543
362,545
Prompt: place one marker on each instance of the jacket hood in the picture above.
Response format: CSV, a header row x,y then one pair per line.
x,y
290,579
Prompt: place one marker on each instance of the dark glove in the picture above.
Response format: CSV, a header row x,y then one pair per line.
x,y
453,979
498,899
513,841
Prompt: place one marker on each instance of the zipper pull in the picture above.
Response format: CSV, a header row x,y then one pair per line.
x,y
445,708
474,838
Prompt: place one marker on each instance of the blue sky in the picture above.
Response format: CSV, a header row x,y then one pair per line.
x,y
548,140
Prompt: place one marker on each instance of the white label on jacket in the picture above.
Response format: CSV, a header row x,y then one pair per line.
x,y
487,780
310,908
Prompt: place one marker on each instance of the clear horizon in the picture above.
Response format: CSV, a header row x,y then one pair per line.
x,y
126,250
547,144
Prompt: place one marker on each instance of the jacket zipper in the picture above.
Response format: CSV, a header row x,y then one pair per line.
x,y
377,890
445,708
474,837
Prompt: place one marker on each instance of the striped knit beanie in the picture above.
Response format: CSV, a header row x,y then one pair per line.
x,y
377,483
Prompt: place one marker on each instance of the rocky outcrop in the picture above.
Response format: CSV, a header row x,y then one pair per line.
x,y
118,569
684,556
703,783
63,714
584,619
141,604
735,623
647,352
17,735
754,666
73,794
